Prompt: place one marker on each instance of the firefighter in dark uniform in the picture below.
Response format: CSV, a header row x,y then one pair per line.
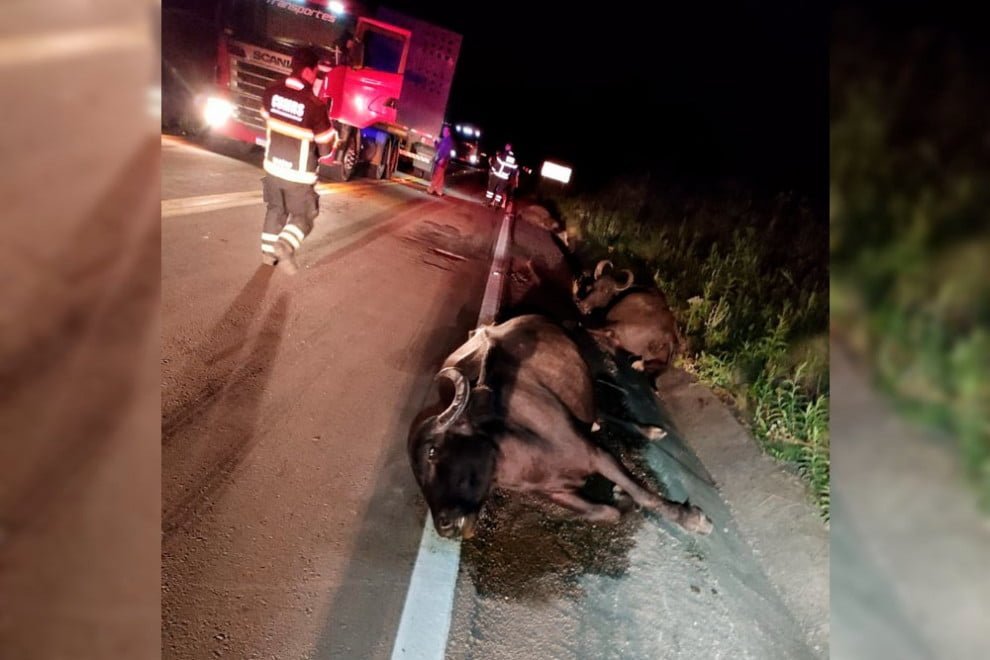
x,y
501,173
296,121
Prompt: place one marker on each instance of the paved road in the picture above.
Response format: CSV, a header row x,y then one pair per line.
x,y
289,511
291,520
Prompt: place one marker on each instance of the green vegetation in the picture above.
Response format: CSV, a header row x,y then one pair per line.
x,y
748,281
909,232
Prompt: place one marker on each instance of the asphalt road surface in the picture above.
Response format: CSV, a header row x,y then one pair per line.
x,y
290,517
288,508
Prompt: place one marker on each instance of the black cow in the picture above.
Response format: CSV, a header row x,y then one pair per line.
x,y
520,419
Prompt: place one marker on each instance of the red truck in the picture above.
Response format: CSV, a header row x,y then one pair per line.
x,y
388,103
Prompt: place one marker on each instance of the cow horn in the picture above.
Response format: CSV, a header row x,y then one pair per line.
x,y
600,268
629,280
462,391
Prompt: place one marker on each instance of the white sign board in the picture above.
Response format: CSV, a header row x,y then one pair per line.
x,y
556,172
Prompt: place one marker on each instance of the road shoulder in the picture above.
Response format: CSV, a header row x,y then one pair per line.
x,y
771,506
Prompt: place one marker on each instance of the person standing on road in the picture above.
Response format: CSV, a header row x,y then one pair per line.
x,y
441,160
296,120
501,171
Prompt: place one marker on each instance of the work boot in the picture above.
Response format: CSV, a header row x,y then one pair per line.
x,y
286,258
268,259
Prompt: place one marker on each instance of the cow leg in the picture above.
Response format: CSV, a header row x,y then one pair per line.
x,y
648,431
588,510
687,516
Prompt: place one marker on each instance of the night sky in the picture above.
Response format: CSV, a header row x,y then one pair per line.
x,y
698,91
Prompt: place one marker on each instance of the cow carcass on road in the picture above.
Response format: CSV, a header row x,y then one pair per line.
x,y
520,419
637,320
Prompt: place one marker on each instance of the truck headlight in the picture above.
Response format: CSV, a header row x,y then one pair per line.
x,y
473,158
453,153
218,111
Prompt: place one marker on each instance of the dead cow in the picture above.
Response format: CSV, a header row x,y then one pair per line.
x,y
637,320
520,419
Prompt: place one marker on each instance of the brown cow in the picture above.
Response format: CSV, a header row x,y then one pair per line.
x,y
520,419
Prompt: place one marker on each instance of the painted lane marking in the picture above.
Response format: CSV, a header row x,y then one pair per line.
x,y
426,614
206,203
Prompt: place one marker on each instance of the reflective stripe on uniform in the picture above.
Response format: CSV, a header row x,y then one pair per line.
x,y
295,230
304,150
271,238
289,174
285,128
265,247
290,239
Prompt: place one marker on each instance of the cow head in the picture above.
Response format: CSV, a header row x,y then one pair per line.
x,y
453,461
596,291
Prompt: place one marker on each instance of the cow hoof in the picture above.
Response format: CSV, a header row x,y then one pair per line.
x,y
609,516
696,521
655,433
623,501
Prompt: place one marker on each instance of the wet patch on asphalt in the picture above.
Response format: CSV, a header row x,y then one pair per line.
x,y
530,551
443,242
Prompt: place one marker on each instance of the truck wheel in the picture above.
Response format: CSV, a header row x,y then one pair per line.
x,y
390,159
349,161
393,158
383,167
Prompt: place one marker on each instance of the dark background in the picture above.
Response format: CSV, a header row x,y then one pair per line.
x,y
695,90
692,91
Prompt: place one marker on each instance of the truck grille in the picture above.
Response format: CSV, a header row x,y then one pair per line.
x,y
247,83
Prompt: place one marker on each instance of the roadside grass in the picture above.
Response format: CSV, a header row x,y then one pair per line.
x,y
747,279
910,233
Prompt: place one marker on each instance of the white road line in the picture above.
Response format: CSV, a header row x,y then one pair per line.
x,y
493,290
426,615
35,48
425,621
207,203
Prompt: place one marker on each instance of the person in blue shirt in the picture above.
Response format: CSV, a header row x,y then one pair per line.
x,y
440,161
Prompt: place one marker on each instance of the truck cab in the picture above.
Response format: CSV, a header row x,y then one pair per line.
x,y
389,102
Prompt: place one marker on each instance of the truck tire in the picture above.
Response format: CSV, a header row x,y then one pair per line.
x,y
394,160
390,159
382,169
349,161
